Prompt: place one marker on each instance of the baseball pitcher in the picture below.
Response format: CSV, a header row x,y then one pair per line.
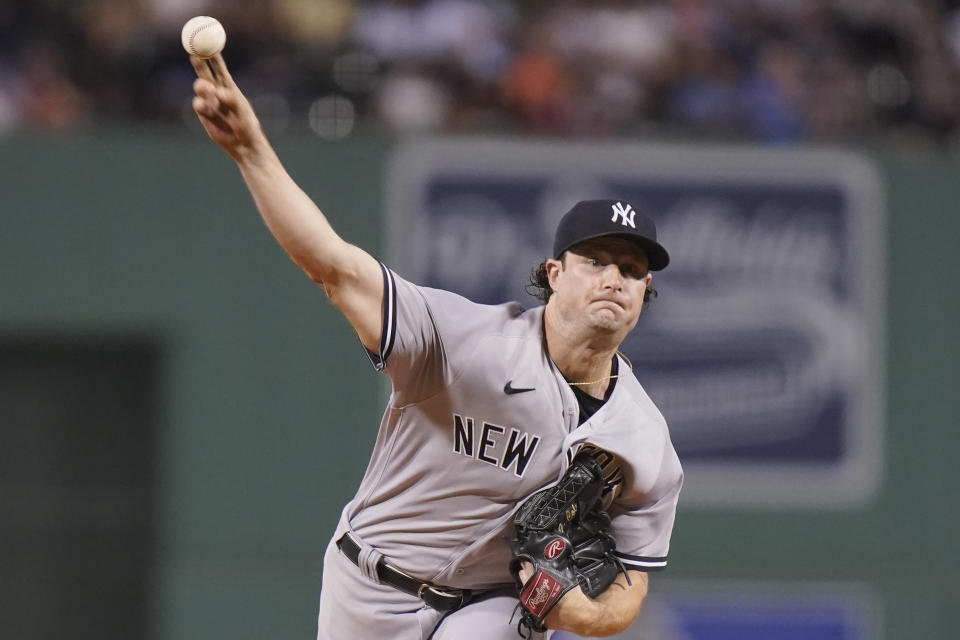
x,y
522,481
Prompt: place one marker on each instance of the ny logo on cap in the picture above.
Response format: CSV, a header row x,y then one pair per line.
x,y
625,214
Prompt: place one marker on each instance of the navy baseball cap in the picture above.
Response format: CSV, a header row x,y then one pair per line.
x,y
589,219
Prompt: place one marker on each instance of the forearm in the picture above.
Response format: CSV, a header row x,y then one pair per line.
x,y
292,217
350,276
609,613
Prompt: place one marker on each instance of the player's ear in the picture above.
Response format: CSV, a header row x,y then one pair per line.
x,y
554,267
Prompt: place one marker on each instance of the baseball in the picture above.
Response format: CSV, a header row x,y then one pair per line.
x,y
203,37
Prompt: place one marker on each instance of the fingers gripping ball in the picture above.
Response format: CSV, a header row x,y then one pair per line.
x,y
203,37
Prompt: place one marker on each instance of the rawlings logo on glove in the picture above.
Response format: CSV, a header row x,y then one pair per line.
x,y
542,593
554,549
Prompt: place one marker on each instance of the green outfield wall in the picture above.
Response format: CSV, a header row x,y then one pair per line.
x,y
265,407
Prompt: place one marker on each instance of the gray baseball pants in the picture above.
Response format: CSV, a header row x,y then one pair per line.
x,y
355,607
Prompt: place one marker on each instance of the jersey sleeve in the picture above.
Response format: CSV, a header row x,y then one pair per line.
x,y
643,521
425,333
388,320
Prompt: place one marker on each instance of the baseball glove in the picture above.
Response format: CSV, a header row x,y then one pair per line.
x,y
563,532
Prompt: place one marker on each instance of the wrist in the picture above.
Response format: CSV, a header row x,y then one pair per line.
x,y
575,613
257,154
258,159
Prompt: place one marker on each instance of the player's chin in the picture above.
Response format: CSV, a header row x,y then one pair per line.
x,y
607,321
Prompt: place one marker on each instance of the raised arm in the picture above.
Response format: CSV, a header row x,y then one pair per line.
x,y
351,277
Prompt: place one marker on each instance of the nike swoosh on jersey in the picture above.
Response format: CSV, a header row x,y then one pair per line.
x,y
510,390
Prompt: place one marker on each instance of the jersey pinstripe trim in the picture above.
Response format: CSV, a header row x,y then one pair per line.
x,y
388,329
642,563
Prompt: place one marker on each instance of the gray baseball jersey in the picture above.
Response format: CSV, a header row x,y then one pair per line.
x,y
479,418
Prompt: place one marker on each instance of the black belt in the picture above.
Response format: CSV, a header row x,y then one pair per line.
x,y
435,596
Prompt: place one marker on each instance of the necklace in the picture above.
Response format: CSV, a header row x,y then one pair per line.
x,y
604,378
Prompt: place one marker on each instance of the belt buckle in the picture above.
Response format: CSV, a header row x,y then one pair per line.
x,y
438,592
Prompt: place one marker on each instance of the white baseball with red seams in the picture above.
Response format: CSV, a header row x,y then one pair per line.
x,y
203,37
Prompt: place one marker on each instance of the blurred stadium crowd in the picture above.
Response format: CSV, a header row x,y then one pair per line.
x,y
775,71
